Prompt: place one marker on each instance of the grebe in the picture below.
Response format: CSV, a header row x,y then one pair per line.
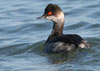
x,y
57,41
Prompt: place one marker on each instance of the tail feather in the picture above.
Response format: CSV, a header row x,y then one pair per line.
x,y
84,44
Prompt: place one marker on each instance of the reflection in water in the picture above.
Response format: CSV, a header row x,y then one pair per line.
x,y
58,58
37,48
61,57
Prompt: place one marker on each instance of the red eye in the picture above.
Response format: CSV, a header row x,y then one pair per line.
x,y
49,13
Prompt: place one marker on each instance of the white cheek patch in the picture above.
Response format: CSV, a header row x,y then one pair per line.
x,y
52,18
61,17
58,19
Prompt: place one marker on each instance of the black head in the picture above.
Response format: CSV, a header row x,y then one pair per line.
x,y
52,12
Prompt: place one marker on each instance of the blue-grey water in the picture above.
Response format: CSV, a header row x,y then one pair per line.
x,y
22,36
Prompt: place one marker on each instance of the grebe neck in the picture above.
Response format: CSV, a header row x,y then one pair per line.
x,y
57,29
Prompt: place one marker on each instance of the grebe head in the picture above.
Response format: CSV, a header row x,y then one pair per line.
x,y
54,13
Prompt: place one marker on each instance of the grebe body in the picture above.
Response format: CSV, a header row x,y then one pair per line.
x,y
57,41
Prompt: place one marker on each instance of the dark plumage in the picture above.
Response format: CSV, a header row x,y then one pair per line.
x,y
57,41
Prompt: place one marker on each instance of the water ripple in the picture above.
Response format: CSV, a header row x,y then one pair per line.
x,y
22,35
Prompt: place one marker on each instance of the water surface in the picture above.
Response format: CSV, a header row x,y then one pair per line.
x,y
22,36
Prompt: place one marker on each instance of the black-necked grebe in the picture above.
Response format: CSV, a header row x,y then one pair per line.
x,y
57,41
